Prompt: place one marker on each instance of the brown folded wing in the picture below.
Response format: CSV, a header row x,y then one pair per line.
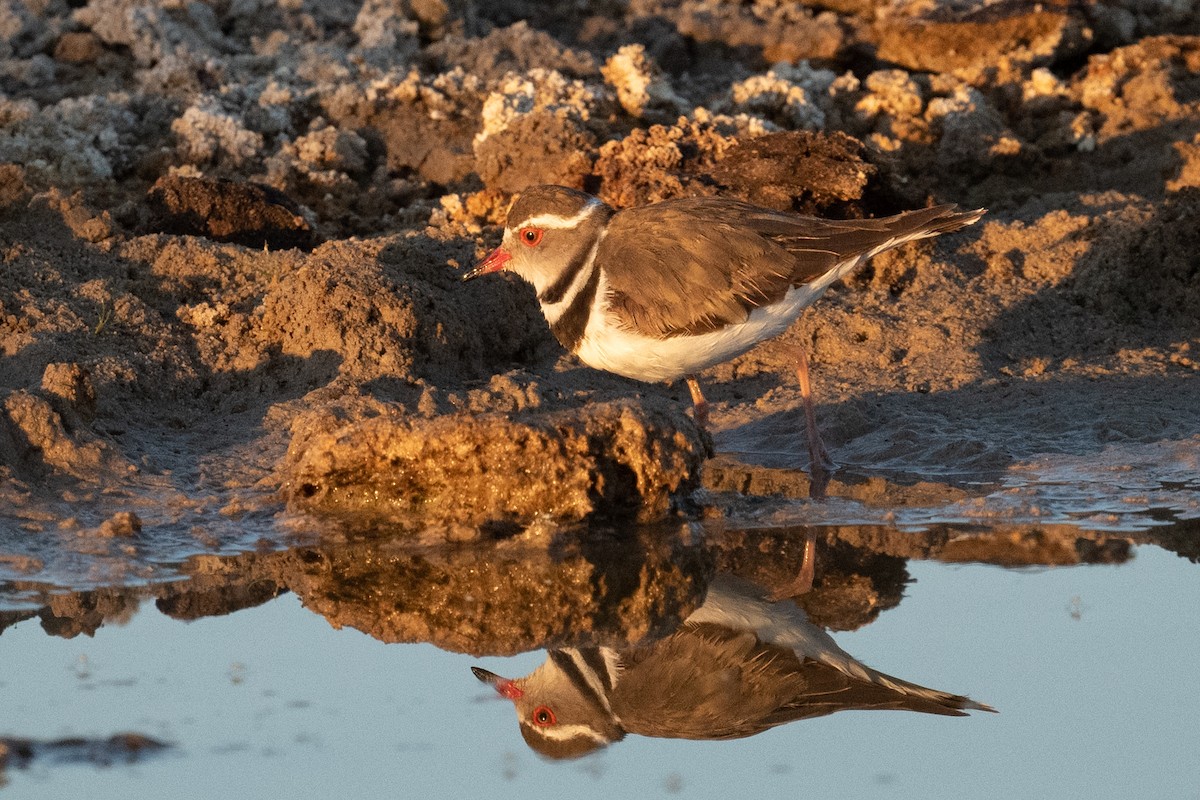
x,y
711,682
695,265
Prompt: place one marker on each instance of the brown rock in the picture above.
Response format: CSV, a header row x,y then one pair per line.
x,y
660,162
83,221
123,524
78,47
392,307
196,602
71,384
12,185
21,564
539,147
797,171
791,33
978,35
619,460
249,214
860,8
725,473
438,148
1140,87
1036,545
1189,167
68,615
517,48
1140,110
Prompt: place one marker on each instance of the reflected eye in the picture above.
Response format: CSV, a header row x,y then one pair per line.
x,y
531,236
542,715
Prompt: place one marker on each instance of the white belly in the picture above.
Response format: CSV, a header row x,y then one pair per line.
x,y
613,349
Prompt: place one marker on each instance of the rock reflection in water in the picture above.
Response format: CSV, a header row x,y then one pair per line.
x,y
121,748
583,587
739,665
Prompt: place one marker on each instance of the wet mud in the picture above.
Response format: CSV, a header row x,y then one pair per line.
x,y
231,315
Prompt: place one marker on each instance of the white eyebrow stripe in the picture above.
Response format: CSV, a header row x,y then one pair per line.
x,y
557,222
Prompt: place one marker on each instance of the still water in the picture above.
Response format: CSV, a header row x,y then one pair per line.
x,y
1092,668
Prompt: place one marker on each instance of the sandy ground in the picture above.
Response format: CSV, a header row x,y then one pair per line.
x,y
233,232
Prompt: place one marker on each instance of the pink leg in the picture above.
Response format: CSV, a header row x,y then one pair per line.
x,y
820,464
808,569
699,404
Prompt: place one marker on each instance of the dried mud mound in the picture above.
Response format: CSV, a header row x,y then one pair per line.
x,y
616,460
232,236
1145,271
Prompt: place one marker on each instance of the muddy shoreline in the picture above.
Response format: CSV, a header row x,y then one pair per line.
x,y
232,242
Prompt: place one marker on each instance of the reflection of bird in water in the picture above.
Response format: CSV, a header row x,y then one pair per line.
x,y
736,667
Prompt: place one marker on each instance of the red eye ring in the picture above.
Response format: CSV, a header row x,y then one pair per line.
x,y
543,716
531,237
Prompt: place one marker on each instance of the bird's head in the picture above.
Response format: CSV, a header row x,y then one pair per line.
x,y
563,707
550,235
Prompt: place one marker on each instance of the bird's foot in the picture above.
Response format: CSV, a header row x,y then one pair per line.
x,y
820,466
818,456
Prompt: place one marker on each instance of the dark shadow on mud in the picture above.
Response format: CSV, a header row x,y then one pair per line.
x,y
979,431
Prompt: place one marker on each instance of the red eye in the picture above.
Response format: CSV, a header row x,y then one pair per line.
x,y
531,236
542,715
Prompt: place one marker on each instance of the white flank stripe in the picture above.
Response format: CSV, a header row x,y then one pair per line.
x,y
609,347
